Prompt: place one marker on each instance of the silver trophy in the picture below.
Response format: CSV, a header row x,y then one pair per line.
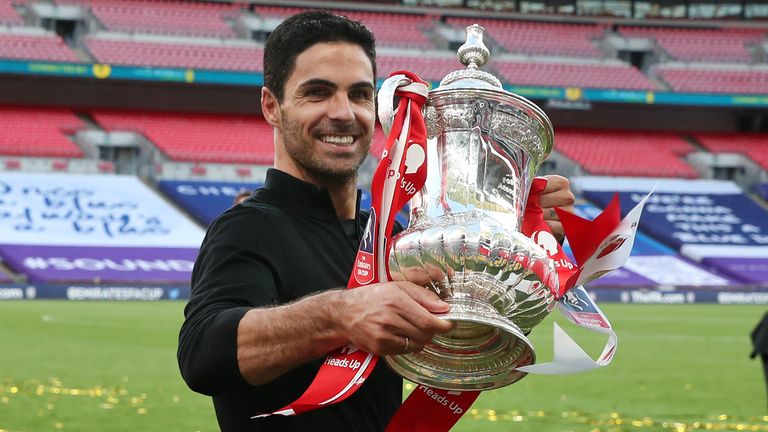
x,y
464,241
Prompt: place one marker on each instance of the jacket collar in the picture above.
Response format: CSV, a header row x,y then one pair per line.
x,y
285,190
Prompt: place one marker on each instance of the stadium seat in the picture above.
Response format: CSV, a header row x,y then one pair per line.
x,y
35,47
719,45
199,137
710,80
38,132
428,68
391,29
626,153
182,55
612,76
539,38
162,17
752,145
9,15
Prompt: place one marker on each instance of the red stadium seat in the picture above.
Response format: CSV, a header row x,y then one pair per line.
x,y
626,153
9,15
162,17
35,47
752,145
38,132
539,38
199,137
573,75
180,55
721,45
701,80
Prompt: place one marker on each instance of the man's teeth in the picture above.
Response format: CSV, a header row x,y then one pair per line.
x,y
333,139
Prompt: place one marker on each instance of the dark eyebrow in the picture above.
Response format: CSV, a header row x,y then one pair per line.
x,y
317,82
330,84
362,85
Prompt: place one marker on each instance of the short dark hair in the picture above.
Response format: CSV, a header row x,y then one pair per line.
x,y
299,32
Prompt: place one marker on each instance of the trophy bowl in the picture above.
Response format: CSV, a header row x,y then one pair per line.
x,y
484,145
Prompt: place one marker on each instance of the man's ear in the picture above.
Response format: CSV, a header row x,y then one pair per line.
x,y
270,108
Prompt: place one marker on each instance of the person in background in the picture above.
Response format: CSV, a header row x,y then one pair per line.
x,y
268,299
241,196
760,344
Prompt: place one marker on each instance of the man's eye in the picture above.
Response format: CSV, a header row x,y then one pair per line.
x,y
317,92
360,95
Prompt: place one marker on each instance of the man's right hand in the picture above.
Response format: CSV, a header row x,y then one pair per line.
x,y
378,318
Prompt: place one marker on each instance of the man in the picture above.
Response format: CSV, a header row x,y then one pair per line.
x,y
267,298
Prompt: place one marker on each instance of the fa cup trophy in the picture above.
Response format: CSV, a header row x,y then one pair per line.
x,y
484,145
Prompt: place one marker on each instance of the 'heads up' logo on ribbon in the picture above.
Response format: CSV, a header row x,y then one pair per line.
x,y
364,270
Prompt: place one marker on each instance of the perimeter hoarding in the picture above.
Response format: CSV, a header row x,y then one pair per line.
x,y
68,227
653,264
205,200
96,264
72,292
709,221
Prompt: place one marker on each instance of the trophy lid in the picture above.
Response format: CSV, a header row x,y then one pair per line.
x,y
514,118
474,55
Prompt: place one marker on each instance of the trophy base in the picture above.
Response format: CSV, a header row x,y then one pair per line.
x,y
480,353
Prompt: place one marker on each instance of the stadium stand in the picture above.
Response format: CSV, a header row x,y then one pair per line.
x,y
627,153
616,76
34,44
38,132
162,17
198,137
396,30
710,80
754,145
427,67
720,45
269,11
197,19
537,38
117,49
9,15
391,29
93,228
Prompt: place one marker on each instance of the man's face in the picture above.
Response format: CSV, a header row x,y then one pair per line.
x,y
327,112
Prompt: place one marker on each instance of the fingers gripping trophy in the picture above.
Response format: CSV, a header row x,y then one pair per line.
x,y
464,241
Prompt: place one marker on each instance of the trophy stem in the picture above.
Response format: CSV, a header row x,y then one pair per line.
x,y
480,353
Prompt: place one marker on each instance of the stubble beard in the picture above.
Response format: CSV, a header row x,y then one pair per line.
x,y
339,171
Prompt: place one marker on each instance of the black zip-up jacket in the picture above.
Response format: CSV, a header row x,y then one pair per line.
x,y
283,243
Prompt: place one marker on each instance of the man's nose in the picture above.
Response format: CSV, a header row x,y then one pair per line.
x,y
341,108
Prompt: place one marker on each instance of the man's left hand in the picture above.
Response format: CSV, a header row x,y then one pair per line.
x,y
556,194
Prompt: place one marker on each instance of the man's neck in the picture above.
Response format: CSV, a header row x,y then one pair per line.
x,y
342,190
344,199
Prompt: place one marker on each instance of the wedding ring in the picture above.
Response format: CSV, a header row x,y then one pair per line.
x,y
407,343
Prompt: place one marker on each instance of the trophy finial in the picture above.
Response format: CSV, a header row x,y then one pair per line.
x,y
474,54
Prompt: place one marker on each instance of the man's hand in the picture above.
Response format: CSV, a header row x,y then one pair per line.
x,y
377,318
556,194
380,317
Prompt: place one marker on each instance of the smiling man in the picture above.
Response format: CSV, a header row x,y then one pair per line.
x,y
267,298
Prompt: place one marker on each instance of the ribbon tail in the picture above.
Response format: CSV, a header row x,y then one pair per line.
x,y
568,357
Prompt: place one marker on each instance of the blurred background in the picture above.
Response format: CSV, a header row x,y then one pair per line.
x,y
127,126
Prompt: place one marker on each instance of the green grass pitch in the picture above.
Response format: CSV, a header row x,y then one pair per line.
x,y
94,366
